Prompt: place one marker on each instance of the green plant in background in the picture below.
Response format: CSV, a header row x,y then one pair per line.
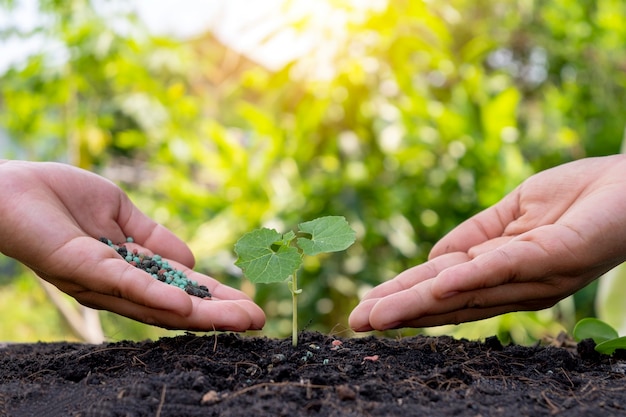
x,y
266,256
604,335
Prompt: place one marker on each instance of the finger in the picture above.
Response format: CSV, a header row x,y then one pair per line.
x,y
486,225
134,287
461,316
488,246
359,318
417,274
152,235
417,307
455,317
529,256
86,265
136,294
122,280
206,315
156,294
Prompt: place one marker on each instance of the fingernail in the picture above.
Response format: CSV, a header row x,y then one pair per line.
x,y
392,325
362,329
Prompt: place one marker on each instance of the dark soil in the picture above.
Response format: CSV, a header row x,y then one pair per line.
x,y
231,375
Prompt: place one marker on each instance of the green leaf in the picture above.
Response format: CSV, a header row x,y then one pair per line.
x,y
262,263
328,234
590,328
288,237
609,346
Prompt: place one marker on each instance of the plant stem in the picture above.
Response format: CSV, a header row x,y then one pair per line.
x,y
294,314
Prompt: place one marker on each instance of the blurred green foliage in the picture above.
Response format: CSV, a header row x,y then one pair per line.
x,y
425,113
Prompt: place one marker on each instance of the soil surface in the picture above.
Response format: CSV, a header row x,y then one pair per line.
x,y
232,375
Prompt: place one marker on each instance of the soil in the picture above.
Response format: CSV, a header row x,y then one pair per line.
x,y
233,375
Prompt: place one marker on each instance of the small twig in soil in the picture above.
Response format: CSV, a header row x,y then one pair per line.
x,y
136,359
250,365
160,407
335,332
214,338
568,378
104,350
41,371
226,396
554,409
3,405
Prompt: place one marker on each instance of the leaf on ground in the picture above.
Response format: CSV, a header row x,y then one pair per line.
x,y
328,234
590,328
610,346
264,257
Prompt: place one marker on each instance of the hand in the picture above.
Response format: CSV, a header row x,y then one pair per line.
x,y
554,234
51,216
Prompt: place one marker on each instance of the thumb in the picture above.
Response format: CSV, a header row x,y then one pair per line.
x,y
151,235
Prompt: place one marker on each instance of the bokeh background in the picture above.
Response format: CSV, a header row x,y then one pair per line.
x,y
405,116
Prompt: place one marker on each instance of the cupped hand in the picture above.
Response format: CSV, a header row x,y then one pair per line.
x,y
51,216
554,234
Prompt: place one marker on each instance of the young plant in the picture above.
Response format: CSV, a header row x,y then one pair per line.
x,y
606,337
266,256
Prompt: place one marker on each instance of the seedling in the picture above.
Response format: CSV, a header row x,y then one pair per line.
x,y
606,337
266,256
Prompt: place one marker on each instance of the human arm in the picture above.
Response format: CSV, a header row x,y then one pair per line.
x,y
554,234
51,216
